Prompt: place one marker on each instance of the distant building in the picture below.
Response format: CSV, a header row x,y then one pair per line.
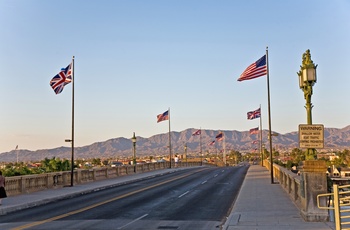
x,y
339,175
327,156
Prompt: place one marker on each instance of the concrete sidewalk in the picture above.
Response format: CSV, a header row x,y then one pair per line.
x,y
15,203
261,205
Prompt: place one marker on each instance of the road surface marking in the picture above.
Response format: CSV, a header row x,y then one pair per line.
x,y
183,194
133,221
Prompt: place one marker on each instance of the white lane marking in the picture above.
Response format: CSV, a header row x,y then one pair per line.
x,y
183,194
133,221
216,175
204,182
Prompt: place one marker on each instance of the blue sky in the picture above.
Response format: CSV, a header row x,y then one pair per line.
x,y
134,59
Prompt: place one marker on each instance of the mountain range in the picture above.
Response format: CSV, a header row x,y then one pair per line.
x,y
157,145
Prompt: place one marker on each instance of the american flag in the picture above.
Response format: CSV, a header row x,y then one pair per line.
x,y
255,70
212,143
253,114
254,131
61,79
220,136
162,117
198,132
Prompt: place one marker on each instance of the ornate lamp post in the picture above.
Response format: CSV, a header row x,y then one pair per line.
x,y
133,139
307,78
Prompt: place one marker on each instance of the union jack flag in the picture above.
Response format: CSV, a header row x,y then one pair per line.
x,y
198,132
61,79
253,114
212,143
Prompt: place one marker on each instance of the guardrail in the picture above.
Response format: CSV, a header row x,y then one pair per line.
x,y
339,202
31,183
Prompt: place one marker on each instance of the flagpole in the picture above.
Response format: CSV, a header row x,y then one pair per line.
x,y
224,156
269,113
261,132
216,148
200,145
72,140
216,152
169,138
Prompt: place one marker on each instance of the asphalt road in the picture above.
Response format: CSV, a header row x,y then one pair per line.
x,y
199,198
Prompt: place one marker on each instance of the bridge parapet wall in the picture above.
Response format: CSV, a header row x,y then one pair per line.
x,y
304,188
32,183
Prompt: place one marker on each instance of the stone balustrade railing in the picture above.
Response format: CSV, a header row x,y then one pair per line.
x,y
303,189
31,183
289,181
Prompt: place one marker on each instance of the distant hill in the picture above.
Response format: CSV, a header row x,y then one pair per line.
x,y
335,139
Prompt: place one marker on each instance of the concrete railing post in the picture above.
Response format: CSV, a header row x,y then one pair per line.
x,y
314,182
23,185
52,180
65,178
79,176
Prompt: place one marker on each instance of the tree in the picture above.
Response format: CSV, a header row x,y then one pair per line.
x,y
45,165
297,156
344,156
266,153
289,164
96,161
338,162
105,162
235,156
55,165
275,152
65,166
